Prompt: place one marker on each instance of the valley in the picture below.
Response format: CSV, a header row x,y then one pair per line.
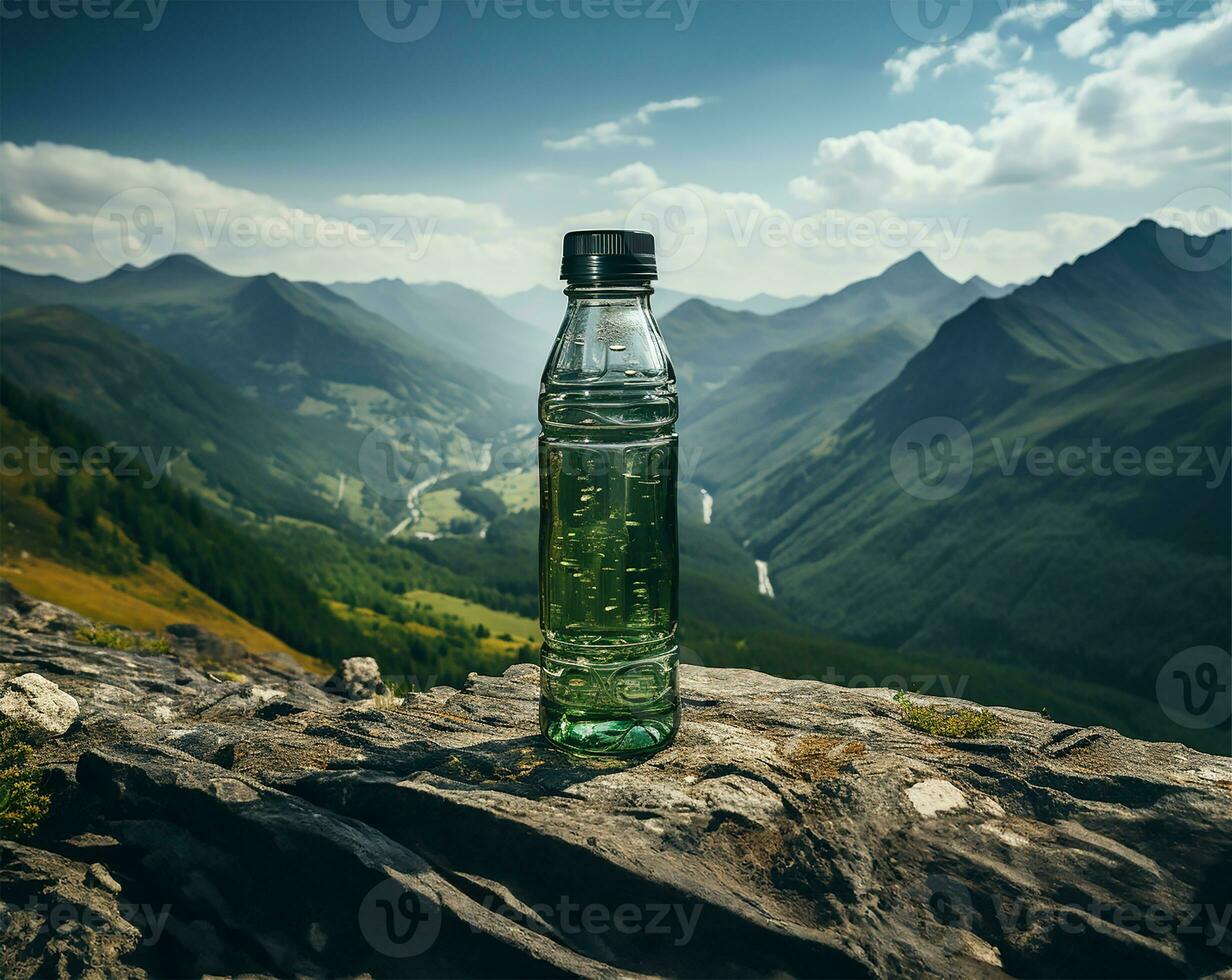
x,y
378,440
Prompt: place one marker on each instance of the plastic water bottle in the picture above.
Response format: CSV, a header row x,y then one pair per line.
x,y
608,560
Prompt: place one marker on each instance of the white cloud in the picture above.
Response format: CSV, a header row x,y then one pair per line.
x,y
928,158
620,132
1032,14
24,209
907,64
51,221
1094,29
992,48
1004,256
633,181
1124,126
654,108
487,217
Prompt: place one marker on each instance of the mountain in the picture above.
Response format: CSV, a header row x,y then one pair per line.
x,y
985,288
1102,577
763,304
230,448
295,347
783,406
542,306
545,307
463,323
711,345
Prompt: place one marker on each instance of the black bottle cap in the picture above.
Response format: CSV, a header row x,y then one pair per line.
x,y
604,256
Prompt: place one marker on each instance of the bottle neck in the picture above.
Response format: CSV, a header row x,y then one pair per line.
x,y
633,292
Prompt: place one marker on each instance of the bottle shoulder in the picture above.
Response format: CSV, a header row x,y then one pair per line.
x,y
645,408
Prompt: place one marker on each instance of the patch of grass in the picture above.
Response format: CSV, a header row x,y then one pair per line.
x,y
947,723
150,599
22,806
101,636
397,693
519,489
440,508
504,630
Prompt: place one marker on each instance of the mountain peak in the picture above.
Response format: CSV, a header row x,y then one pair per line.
x,y
917,262
917,271
178,263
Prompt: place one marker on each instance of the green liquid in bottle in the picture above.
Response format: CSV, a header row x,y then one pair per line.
x,y
608,545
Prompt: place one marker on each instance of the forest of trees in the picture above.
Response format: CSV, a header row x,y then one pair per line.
x,y
111,522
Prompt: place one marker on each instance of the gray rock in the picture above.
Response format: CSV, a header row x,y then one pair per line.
x,y
58,919
37,706
358,679
793,829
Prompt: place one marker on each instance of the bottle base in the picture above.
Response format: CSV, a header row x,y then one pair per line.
x,y
591,733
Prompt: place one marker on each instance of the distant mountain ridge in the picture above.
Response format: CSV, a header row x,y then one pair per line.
x,y
1102,578
463,323
540,305
297,347
773,388
710,345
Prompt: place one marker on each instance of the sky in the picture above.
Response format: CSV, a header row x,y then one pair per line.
x,y
779,146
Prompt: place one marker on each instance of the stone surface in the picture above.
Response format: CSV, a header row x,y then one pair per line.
x,y
794,829
358,678
37,706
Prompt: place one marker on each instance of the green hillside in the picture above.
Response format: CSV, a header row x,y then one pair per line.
x,y
232,449
1092,577
294,347
784,407
462,323
110,528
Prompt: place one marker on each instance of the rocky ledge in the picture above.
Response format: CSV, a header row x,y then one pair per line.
x,y
237,818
